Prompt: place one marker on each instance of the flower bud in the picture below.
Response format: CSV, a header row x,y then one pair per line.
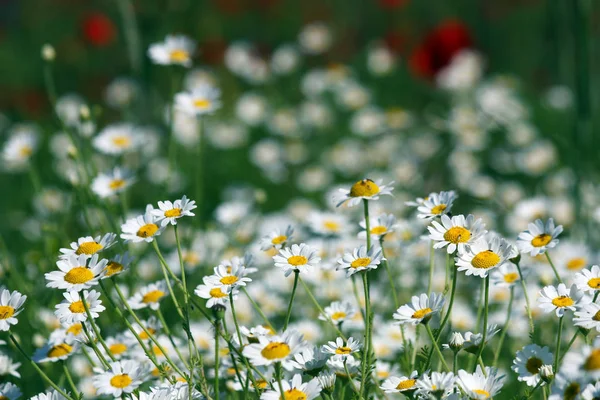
x,y
546,373
456,341
48,53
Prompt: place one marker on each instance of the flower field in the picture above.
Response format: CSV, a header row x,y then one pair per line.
x,y
272,199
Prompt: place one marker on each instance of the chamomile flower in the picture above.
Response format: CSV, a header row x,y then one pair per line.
x,y
9,391
121,345
539,237
233,274
117,139
11,305
559,299
142,228
175,391
480,385
379,226
72,309
365,189
294,389
56,349
361,260
8,367
484,255
77,272
310,358
585,361
169,212
588,280
437,385
341,348
123,377
19,148
118,264
456,232
591,391
49,395
89,245
175,49
529,360
338,312
203,99
506,275
149,296
216,295
436,204
328,224
109,184
588,316
275,349
300,258
276,239
400,384
421,309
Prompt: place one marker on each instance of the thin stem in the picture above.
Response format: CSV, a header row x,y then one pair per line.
x,y
368,326
431,267
455,363
529,315
257,308
161,318
289,310
166,270
505,327
389,274
485,317
316,303
94,326
278,375
217,330
436,347
553,268
350,377
90,339
558,338
69,378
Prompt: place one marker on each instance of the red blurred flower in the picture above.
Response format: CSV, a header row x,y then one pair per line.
x,y
98,29
438,48
389,4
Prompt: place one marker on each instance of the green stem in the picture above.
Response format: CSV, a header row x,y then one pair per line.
x,y
217,330
368,326
389,274
485,317
558,338
505,327
529,315
436,347
161,318
553,268
94,326
278,377
350,377
316,303
289,310
257,308
92,342
166,270
431,268
455,363
70,378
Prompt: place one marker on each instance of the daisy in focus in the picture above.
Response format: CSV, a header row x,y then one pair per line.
x,y
481,385
123,377
529,360
588,280
361,260
559,299
420,310
484,255
294,389
11,305
76,272
89,245
366,189
272,349
301,258
456,232
436,204
340,348
169,212
174,50
539,237
216,295
401,384
142,228
72,309
437,385
276,239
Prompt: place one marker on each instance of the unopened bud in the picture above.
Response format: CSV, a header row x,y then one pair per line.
x,y
546,373
48,53
456,341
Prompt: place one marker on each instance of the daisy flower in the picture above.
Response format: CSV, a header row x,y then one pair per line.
x,y
456,232
437,385
401,384
482,256
294,389
117,139
9,391
123,377
366,189
76,272
170,212
573,257
232,273
216,295
588,280
72,309
141,228
56,349
310,358
420,310
591,391
338,312
588,316
120,263
327,223
436,204
360,260
174,50
539,237
149,296
11,305
529,360
340,348
300,258
380,226
480,385
8,367
49,395
203,99
120,345
559,299
276,239
275,349
89,245
175,391
585,361
472,341
506,275
109,184
19,148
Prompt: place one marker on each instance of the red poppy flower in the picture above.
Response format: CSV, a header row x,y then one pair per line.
x,y
438,48
98,29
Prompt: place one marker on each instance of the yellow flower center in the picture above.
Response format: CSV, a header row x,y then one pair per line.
x,y
121,141
338,315
79,275
275,351
440,208
575,264
6,312
117,348
457,234
364,188
511,277
60,350
261,384
422,313
343,350
75,329
331,226
153,296
279,239
563,301
190,257
116,184
179,55
147,230
406,384
297,260
596,316
592,363
485,259
25,151
594,283
541,240
294,394
361,262
229,280
217,293
482,392
533,365
144,335
172,213
112,268
202,103
120,381
88,248
378,230
77,307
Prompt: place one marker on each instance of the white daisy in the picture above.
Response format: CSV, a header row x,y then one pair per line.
x,y
216,295
170,212
591,391
72,310
232,273
19,148
506,275
9,391
118,264
380,226
482,256
89,245
175,49
56,349
117,139
480,385
300,257
401,384
141,228
420,310
436,204
175,391
8,367
109,184
588,280
275,349
361,260
338,312
294,389
588,316
11,305
276,239
49,395
121,345
149,296
539,237
122,378
472,341
586,362
328,224
77,272
559,299
310,358
456,232
437,385
366,189
203,99
340,348
529,360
